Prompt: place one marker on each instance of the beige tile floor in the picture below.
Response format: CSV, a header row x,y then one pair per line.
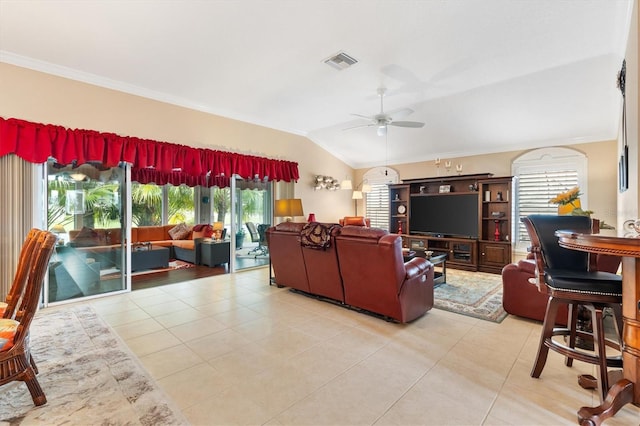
x,y
233,350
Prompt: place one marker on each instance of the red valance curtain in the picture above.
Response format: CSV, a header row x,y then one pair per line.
x,y
152,161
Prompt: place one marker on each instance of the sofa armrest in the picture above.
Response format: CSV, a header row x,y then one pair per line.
x,y
527,265
416,266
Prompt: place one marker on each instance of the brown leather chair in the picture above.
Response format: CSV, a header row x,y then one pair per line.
x,y
323,271
376,278
286,257
520,294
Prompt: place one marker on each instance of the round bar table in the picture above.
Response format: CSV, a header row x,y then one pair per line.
x,y
626,388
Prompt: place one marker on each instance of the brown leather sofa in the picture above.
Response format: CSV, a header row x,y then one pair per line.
x,y
376,278
285,252
360,267
520,294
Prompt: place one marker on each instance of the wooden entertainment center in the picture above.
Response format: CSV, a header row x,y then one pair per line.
x,y
490,250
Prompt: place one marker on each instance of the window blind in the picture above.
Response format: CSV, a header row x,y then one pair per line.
x,y
535,189
377,206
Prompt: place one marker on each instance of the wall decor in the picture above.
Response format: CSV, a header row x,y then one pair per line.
x,y
623,163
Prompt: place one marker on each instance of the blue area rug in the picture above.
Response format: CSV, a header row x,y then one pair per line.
x,y
475,294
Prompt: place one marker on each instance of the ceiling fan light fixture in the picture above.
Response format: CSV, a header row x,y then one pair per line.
x,y
382,130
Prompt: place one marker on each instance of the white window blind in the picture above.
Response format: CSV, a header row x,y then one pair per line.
x,y
536,189
377,206
377,201
542,174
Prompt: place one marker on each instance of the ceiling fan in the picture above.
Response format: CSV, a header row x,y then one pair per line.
x,y
382,119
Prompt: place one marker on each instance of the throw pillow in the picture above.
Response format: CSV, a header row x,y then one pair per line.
x,y
179,232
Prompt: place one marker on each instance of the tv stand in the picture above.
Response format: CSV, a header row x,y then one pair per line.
x,y
491,251
461,252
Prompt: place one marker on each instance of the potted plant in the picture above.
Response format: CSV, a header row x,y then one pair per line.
x,y
239,238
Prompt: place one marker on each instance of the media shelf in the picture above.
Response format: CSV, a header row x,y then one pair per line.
x,y
452,208
461,252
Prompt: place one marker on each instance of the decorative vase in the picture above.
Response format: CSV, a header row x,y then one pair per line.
x,y
566,209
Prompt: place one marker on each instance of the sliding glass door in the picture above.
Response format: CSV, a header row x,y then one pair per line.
x,y
85,211
253,217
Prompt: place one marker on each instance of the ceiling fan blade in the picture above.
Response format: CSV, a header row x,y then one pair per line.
x,y
358,127
413,124
366,117
400,113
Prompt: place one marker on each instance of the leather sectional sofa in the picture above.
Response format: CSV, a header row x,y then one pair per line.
x,y
356,266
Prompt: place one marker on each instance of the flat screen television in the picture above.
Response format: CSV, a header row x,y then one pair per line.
x,y
451,215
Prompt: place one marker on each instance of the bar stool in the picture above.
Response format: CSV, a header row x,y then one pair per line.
x,y
564,275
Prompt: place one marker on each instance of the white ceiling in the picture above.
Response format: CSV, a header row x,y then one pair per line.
x,y
485,76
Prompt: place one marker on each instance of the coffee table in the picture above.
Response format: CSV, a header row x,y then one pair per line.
x,y
439,277
150,257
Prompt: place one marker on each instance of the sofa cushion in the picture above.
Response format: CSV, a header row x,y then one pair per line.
x,y
180,231
8,328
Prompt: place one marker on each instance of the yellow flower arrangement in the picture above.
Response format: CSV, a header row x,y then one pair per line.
x,y
569,203
566,197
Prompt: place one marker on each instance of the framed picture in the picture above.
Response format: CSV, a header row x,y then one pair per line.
x,y
623,170
445,188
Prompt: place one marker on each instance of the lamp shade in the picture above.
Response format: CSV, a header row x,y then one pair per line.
x,y
58,229
218,226
288,207
357,195
346,184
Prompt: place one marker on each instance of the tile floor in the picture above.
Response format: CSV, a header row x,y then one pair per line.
x,y
231,349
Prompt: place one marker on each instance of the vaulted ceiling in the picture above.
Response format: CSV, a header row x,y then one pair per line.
x,y
484,76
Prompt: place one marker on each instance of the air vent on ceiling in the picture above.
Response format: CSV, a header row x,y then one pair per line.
x,y
341,61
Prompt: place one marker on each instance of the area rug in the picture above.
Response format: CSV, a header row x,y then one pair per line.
x,y
88,375
475,294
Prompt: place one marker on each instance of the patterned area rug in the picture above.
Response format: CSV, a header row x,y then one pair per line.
x,y
475,294
88,375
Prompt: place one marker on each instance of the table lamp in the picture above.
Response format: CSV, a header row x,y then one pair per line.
x,y
217,230
288,208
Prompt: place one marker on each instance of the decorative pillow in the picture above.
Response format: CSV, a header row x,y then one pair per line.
x,y
179,232
87,237
202,231
8,329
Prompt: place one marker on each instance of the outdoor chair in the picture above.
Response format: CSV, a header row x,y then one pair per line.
x,y
564,275
15,358
261,249
253,232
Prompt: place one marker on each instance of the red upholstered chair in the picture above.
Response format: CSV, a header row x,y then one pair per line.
x,y
323,271
376,278
286,255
